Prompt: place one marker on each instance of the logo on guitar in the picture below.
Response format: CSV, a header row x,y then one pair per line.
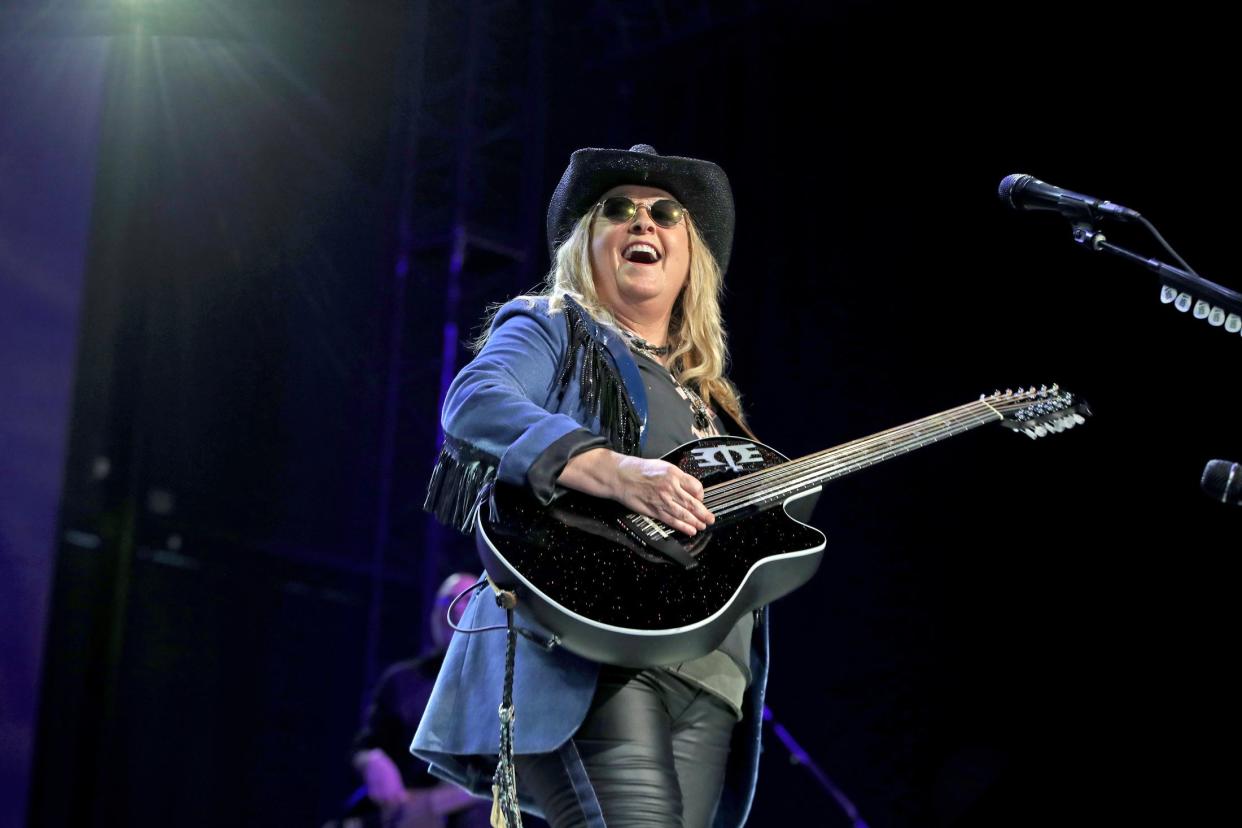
x,y
728,456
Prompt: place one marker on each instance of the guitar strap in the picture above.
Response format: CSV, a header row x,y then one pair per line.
x,y
505,810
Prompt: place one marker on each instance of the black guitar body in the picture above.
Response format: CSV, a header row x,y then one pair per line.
x,y
619,588
624,590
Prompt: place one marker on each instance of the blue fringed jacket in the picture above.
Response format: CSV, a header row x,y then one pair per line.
x,y
541,377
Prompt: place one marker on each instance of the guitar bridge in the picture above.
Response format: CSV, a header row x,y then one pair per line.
x,y
659,538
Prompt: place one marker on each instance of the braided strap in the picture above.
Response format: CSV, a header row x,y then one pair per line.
x,y
505,810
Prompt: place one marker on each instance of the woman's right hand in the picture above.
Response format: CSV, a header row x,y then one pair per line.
x,y
650,487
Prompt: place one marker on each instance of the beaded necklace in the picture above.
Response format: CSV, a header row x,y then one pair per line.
x,y
702,416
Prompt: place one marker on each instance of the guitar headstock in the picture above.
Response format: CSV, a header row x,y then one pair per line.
x,y
1037,412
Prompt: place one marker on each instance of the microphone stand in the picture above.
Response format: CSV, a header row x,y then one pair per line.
x,y
1219,305
800,757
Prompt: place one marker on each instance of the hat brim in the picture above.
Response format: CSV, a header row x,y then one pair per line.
x,y
701,186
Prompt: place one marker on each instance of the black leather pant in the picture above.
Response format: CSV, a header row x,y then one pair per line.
x,y
651,752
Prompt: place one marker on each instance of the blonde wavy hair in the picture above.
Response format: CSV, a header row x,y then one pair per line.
x,y
696,333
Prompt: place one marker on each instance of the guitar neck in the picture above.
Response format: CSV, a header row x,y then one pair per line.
x,y
780,482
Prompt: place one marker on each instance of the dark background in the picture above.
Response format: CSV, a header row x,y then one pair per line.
x,y
237,237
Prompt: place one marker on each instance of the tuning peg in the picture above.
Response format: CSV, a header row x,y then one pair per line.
x,y
1216,316
1041,430
1202,309
1182,303
1167,294
1030,432
1043,390
1233,323
1079,419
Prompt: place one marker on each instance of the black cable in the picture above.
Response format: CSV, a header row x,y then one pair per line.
x,y
530,635
1152,229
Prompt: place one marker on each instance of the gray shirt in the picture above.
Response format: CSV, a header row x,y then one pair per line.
x,y
724,672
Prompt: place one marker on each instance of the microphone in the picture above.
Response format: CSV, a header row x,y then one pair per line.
x,y
1222,481
1026,192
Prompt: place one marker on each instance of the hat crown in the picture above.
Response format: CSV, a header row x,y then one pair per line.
x,y
699,185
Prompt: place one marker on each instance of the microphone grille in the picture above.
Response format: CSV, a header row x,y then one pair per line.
x,y
1011,184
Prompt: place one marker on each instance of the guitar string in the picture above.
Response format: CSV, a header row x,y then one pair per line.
x,y
792,475
795,474
880,437
893,437
941,424
735,491
790,481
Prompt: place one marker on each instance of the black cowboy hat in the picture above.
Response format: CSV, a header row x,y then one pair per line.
x,y
699,185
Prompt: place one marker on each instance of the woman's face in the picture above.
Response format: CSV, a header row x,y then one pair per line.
x,y
622,254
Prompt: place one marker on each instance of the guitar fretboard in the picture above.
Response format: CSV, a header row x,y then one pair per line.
x,y
787,479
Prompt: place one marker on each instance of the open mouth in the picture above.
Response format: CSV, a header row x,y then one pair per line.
x,y
640,253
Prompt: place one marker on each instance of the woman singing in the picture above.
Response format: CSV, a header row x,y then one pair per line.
x,y
619,360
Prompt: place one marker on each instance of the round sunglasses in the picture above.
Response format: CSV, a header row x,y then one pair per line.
x,y
619,209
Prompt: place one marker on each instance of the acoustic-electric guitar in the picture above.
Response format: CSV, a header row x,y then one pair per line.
x,y
621,588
